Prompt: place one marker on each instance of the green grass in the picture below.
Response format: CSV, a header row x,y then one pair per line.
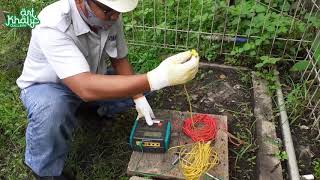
x,y
12,125
100,149
296,101
12,114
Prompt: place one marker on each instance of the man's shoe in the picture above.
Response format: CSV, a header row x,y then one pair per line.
x,y
61,177
52,178
64,176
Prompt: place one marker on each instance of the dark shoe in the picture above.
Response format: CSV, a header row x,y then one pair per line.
x,y
52,178
64,176
48,177
61,177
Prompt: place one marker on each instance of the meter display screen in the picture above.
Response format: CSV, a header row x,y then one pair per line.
x,y
152,134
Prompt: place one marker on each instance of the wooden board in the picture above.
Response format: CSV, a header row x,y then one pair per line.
x,y
268,166
160,164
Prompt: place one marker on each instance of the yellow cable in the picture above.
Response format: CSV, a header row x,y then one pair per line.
x,y
197,161
189,101
193,53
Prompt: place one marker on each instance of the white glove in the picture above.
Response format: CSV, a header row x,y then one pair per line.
x,y
174,70
144,110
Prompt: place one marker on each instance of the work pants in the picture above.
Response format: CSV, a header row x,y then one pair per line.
x,y
51,109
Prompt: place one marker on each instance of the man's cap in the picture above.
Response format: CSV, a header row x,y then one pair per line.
x,y
120,5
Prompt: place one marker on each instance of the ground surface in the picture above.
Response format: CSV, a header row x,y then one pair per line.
x,y
100,149
223,92
303,133
307,149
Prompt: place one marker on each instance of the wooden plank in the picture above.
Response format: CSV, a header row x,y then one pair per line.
x,y
159,165
268,166
137,178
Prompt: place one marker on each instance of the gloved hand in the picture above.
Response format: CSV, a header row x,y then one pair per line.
x,y
177,69
144,109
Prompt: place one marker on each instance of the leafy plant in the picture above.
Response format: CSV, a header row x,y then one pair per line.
x,y
281,155
267,62
265,70
300,66
184,24
317,168
144,61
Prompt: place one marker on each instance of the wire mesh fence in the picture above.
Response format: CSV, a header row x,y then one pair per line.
x,y
242,29
247,28
311,76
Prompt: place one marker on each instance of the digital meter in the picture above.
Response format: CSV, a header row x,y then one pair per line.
x,y
155,138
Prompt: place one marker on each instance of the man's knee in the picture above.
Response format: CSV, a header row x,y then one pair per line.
x,y
48,137
55,118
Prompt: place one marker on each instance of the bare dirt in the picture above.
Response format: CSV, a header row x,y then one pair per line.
x,y
223,92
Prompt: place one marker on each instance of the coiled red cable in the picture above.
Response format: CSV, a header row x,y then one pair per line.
x,y
201,127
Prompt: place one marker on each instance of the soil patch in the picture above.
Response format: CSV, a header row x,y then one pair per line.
x,y
222,92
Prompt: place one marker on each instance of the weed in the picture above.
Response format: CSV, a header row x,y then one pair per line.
x,y
281,155
296,100
249,145
144,61
266,71
316,168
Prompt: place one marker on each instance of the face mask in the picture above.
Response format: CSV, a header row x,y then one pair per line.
x,y
93,20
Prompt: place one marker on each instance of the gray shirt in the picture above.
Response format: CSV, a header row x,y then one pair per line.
x,y
63,45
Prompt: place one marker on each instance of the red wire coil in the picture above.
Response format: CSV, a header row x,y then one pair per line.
x,y
201,127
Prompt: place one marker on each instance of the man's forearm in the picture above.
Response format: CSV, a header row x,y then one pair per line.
x,y
123,67
92,87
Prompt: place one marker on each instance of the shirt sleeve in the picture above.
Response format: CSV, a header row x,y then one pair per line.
x,y
61,52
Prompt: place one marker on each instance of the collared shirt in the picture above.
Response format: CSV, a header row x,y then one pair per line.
x,y
63,45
